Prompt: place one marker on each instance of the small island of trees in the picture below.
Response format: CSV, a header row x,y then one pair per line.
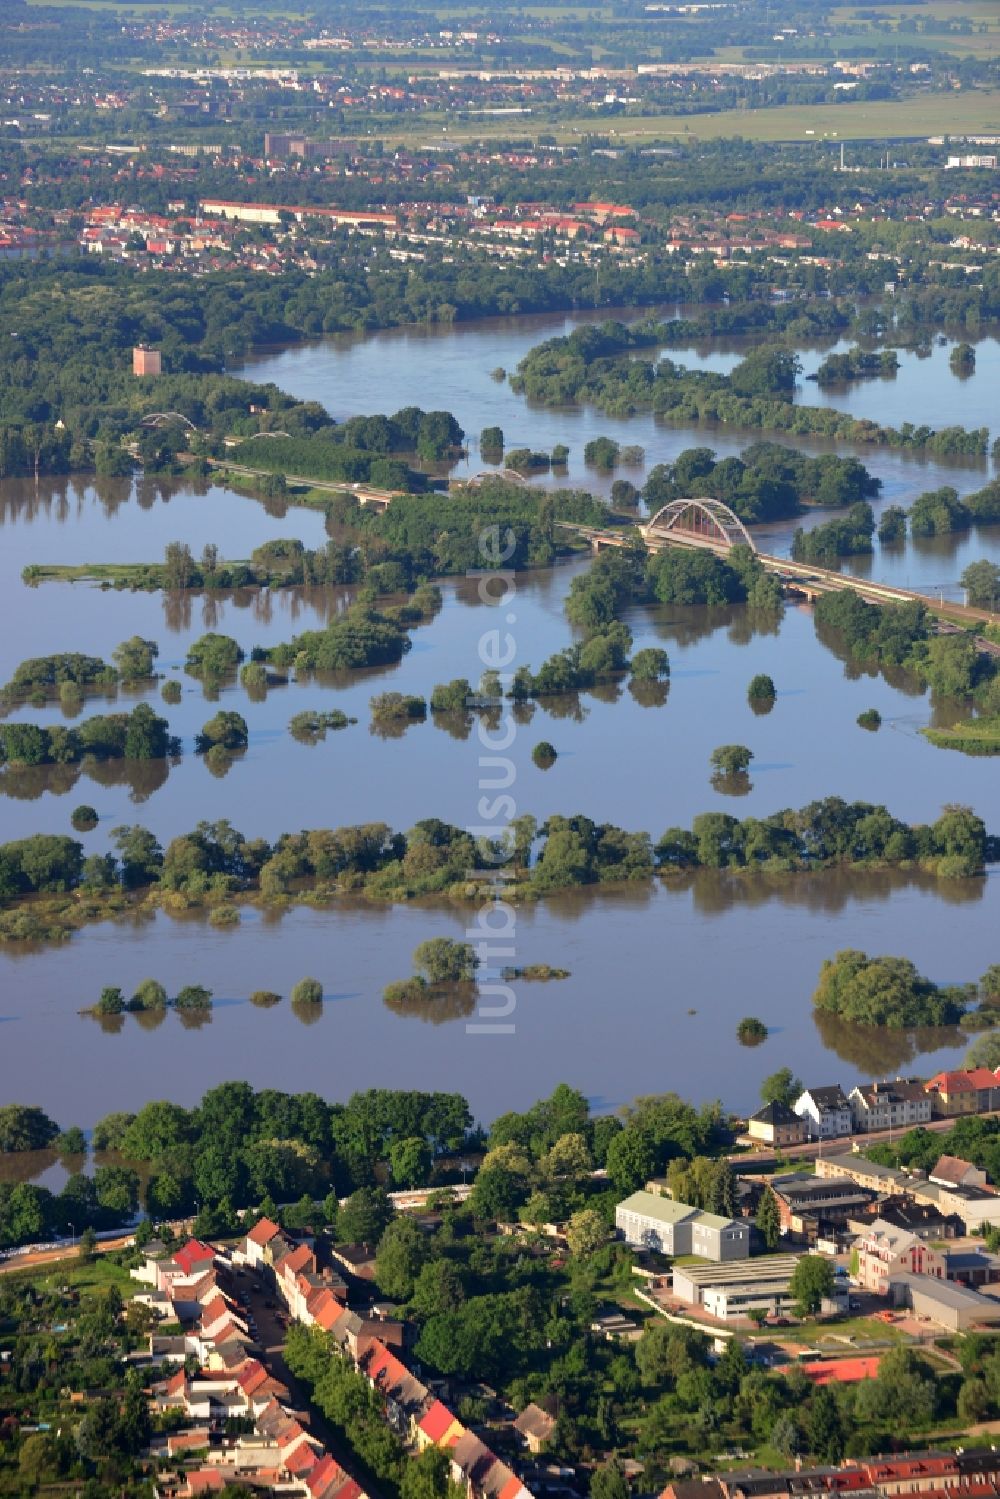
x,y
441,964
751,1031
730,763
888,991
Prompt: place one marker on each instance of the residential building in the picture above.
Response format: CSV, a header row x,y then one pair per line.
x,y
953,1094
952,1171
864,1173
647,1221
437,1428
974,1206
535,1427
920,1218
886,1251
257,1240
826,1111
970,1471
777,1125
902,1104
809,1205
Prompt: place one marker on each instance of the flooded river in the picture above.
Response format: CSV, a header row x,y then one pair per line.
x,y
641,960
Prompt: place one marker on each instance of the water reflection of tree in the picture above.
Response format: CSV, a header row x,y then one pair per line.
x,y
854,669
563,705
738,784
393,728
194,1020
219,761
306,1012
26,783
876,1050
150,1020
111,1025
177,607
456,724
606,692
826,891
947,711
142,777
749,623
29,782
20,1166
687,624
649,694
437,1005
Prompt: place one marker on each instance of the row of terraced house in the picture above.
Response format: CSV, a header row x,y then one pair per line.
x,y
219,1379
373,1345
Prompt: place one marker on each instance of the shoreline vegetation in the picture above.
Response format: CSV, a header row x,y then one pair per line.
x,y
49,888
972,736
888,992
597,365
80,375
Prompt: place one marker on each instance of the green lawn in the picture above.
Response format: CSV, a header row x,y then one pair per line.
x,y
835,1335
87,1278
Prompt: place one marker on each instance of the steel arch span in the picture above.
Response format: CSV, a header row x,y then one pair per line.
x,y
164,419
703,521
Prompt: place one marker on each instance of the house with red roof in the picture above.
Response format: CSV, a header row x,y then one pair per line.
x,y
954,1094
437,1427
952,1171
257,1240
322,1308
203,1481
194,1258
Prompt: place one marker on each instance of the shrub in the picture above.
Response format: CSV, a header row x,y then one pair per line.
x,y
226,730
310,727
193,997
213,656
544,754
265,999
870,719
150,995
83,818
172,692
601,452
224,916
253,677
451,697
307,992
70,697
761,686
444,961
650,665
751,1031
730,760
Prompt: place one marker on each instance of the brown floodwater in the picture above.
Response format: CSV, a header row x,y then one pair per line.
x,y
660,975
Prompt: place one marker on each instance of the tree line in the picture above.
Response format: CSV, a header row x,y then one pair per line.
x,y
214,859
597,365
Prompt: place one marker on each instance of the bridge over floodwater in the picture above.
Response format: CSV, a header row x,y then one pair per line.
x,y
710,525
